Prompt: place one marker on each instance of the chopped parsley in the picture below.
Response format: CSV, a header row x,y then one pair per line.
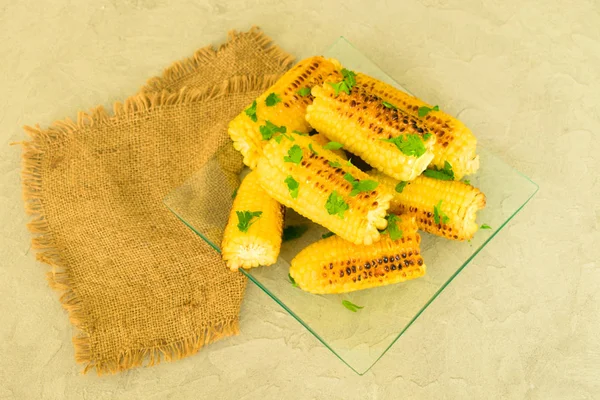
x,y
283,135
351,306
445,174
334,164
294,155
346,84
360,186
251,111
300,133
392,227
400,186
293,232
247,218
292,281
305,91
293,186
423,111
336,205
333,146
389,105
349,163
272,99
437,213
269,129
312,150
410,144
468,182
485,226
326,235
427,136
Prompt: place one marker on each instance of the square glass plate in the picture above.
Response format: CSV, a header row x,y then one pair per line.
x,y
360,338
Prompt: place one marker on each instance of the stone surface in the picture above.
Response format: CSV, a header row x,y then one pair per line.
x,y
520,322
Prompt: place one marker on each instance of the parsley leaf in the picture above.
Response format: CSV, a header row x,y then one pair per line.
x,y
269,129
292,281
336,205
293,186
400,186
340,87
427,136
423,111
305,91
251,111
246,218
326,235
272,99
333,146
351,306
485,226
300,133
234,193
409,144
349,163
437,213
312,150
349,77
293,232
334,164
392,227
360,186
294,155
389,105
445,174
468,182
346,84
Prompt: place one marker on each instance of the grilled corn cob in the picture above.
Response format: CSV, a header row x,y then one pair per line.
x,y
322,140
252,236
456,213
455,142
283,104
334,265
320,185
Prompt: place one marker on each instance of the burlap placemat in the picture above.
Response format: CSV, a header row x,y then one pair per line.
x,y
137,283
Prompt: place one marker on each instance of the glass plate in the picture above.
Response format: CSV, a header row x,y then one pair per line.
x,y
360,338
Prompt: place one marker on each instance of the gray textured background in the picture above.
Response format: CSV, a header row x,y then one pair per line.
x,y
520,322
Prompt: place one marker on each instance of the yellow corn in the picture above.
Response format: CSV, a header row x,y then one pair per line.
x,y
334,265
320,184
460,203
455,142
260,244
288,112
361,122
322,140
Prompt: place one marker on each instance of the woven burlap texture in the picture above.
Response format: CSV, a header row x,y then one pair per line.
x,y
136,282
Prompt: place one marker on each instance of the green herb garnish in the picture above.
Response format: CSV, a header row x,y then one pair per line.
x,y
349,77
392,227
333,146
293,232
340,87
305,91
437,213
251,111
359,186
351,306
334,164
427,136
234,193
410,144
485,226
349,163
389,105
468,182
326,235
294,155
247,218
445,174
400,186
269,129
272,99
292,281
346,84
336,205
423,111
283,135
300,133
293,186
312,150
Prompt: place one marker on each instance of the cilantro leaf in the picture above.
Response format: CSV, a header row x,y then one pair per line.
x,y
326,235
272,99
349,163
234,194
410,144
340,87
293,186
333,146
334,164
445,174
269,129
351,306
251,111
359,186
305,91
392,227
400,186
346,84
336,205
349,178
427,136
292,281
485,226
468,182
312,150
300,133
437,213
389,105
293,232
349,77
423,111
247,218
294,155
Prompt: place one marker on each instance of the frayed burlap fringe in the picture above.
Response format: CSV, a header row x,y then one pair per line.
x,y
181,69
47,249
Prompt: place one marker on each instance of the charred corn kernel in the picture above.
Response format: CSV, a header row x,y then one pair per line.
x,y
318,184
334,265
252,236
367,128
456,212
455,143
322,140
283,104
